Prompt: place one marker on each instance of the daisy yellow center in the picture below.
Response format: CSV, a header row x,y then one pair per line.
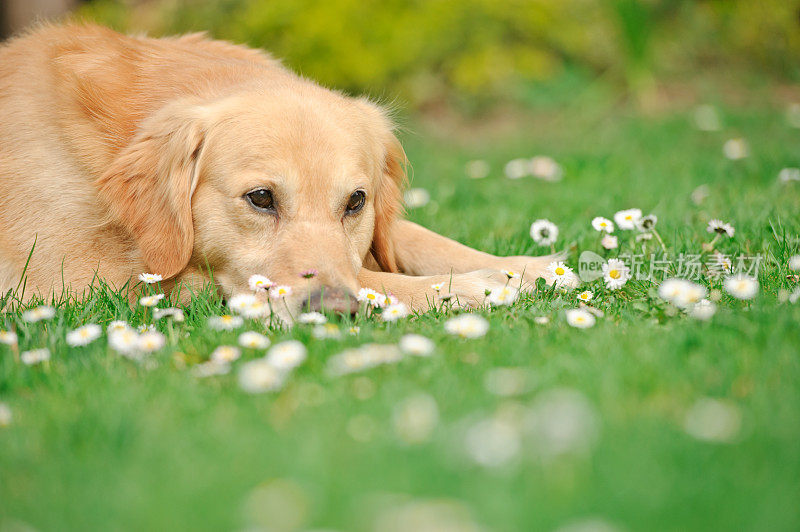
x,y
580,319
370,296
584,296
84,333
629,217
603,224
560,271
614,274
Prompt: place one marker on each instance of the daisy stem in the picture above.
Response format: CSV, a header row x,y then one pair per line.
x,y
171,330
285,304
658,237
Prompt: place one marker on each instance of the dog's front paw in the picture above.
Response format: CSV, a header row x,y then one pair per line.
x,y
527,269
469,290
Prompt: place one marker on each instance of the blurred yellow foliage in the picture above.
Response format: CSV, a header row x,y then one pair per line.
x,y
430,50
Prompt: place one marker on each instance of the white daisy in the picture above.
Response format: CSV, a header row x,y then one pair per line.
x,y
226,322
741,286
253,340
150,278
6,415
8,337
609,242
416,344
793,115
125,341
416,197
210,369
720,264
615,274
702,310
225,354
545,168
647,223
414,419
602,224
787,175
477,169
516,168
585,296
671,289
151,341
43,312
248,306
151,301
259,282
287,355
258,376
143,328
794,297
361,358
627,219
388,299
84,335
394,312
559,274
794,263
467,326
117,325
280,291
354,330
735,149
689,295
239,302
510,274
713,420
541,320
503,296
580,318
437,286
369,295
544,232
170,312
326,331
492,442
35,356
706,118
313,318
721,228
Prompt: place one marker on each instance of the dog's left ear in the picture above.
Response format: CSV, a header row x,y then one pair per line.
x,y
148,188
388,204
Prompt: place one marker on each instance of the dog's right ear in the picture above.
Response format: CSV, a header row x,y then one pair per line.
x,y
148,187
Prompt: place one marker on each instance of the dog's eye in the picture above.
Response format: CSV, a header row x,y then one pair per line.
x,y
356,202
261,199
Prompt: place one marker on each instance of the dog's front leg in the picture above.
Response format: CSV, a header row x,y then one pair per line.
x,y
419,251
422,292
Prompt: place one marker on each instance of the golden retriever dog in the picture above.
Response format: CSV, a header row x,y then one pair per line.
x,y
203,161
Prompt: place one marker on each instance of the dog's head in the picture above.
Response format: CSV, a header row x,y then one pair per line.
x,y
252,184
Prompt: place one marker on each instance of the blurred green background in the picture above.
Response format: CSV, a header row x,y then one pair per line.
x,y
473,57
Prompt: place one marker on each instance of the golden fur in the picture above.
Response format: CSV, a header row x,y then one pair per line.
x,y
121,155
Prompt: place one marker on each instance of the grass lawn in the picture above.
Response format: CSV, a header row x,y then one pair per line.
x,y
531,427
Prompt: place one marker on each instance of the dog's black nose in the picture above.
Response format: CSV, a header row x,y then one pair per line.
x,y
333,299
